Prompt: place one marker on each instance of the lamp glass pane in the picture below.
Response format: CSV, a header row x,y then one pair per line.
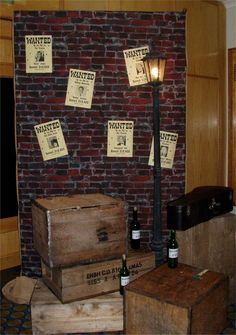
x,y
155,68
146,65
162,64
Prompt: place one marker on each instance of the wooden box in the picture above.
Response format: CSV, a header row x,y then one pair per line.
x,y
177,302
82,228
50,316
80,282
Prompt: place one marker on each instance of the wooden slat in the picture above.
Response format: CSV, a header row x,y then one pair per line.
x,y
205,50
9,249
6,11
147,5
90,5
37,5
99,314
5,29
6,70
202,39
131,5
6,51
9,243
232,120
204,163
8,224
223,136
6,57
9,261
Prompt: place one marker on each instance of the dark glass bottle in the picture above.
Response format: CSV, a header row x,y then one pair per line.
x,y
172,250
124,275
135,230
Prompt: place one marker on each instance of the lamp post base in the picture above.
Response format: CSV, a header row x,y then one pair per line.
x,y
157,247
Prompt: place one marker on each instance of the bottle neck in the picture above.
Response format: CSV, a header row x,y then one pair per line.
x,y
172,234
135,214
123,261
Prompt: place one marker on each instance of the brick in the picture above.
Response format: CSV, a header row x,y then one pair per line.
x,y
94,41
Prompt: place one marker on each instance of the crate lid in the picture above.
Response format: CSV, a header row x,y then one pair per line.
x,y
75,201
178,286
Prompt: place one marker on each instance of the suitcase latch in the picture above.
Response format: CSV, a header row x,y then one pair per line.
x,y
214,204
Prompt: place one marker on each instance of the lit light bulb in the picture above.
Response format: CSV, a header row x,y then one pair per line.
x,y
154,72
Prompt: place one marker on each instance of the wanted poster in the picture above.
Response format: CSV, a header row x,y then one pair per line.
x,y
80,88
38,53
120,138
135,66
51,140
167,149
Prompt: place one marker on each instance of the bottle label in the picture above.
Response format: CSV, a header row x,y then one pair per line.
x,y
135,234
124,280
173,253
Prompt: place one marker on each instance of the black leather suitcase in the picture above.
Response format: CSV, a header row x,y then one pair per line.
x,y
200,205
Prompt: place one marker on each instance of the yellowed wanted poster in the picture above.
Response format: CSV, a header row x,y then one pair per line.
x,y
135,66
167,149
120,139
38,53
80,88
51,140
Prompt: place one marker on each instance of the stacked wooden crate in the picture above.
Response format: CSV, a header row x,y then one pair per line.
x,y
82,228
184,300
99,314
81,239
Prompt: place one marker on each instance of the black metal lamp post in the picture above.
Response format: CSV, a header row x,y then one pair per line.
x,y
155,67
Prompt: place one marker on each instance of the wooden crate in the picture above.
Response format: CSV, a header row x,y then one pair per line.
x,y
80,282
211,245
177,303
77,229
50,316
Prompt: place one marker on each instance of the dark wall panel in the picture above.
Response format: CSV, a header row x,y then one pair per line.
x,y
8,199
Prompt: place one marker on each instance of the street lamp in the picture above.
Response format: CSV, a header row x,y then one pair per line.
x,y
155,68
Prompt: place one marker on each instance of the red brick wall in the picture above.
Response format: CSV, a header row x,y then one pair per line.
x,y
95,41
